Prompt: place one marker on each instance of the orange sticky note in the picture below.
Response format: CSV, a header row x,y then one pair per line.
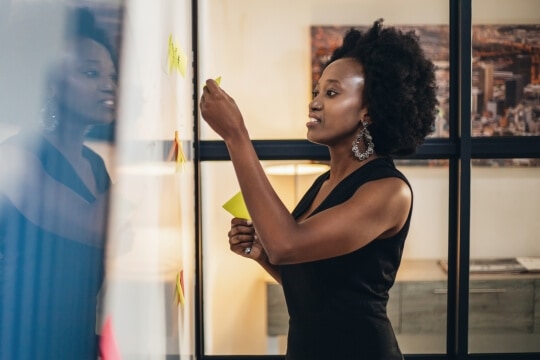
x,y
176,152
107,344
180,288
237,207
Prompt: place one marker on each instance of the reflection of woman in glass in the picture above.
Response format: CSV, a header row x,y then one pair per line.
x,y
53,200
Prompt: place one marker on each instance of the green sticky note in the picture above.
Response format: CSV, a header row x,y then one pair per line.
x,y
237,207
218,80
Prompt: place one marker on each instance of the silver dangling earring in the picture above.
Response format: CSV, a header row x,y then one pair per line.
x,y
49,119
365,136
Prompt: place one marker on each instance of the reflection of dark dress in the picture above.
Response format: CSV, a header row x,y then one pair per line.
x,y
49,284
337,306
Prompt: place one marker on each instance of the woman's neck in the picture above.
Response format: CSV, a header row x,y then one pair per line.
x,y
68,139
344,163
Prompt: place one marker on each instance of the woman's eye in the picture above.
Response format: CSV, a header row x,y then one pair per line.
x,y
314,93
91,73
331,93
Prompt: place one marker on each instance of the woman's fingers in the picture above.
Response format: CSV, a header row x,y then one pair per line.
x,y
237,235
246,248
238,221
242,237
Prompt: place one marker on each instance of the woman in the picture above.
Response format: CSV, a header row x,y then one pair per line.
x,y
54,192
337,254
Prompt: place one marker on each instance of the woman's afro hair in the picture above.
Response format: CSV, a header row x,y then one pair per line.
x,y
399,88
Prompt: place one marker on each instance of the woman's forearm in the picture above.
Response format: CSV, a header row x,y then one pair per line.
x,y
272,270
273,219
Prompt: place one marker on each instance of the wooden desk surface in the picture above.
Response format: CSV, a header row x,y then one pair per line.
x,y
430,270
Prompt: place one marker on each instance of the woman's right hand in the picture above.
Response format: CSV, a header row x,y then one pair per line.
x,y
220,111
243,240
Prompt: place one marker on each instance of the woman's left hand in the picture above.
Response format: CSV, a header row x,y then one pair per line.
x,y
220,111
243,240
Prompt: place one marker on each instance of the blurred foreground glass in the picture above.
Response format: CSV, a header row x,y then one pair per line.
x,y
59,84
96,219
149,291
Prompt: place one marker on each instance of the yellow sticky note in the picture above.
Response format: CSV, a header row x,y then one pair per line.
x,y
180,157
217,80
237,207
177,58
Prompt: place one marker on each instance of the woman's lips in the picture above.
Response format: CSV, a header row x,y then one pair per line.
x,y
108,103
313,121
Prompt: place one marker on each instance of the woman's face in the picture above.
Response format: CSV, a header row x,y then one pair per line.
x,y
88,83
336,109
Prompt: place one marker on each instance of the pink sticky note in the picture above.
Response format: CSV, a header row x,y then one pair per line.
x,y
107,345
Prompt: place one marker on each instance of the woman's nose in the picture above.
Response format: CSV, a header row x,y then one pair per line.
x,y
108,85
314,105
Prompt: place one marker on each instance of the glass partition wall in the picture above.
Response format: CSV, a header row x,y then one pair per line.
x,y
148,297
237,40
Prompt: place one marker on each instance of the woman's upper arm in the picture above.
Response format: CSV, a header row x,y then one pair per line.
x,y
378,209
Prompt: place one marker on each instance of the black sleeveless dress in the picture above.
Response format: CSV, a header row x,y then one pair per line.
x,y
337,306
48,283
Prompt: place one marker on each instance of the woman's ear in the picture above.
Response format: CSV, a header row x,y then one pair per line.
x,y
51,92
364,116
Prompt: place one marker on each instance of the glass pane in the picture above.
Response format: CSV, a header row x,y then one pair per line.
x,y
506,68
238,291
58,100
150,295
505,257
239,294
235,42
418,298
272,82
94,158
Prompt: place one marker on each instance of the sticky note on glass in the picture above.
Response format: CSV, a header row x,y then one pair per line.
x,y
108,346
176,152
180,298
217,80
237,207
177,58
